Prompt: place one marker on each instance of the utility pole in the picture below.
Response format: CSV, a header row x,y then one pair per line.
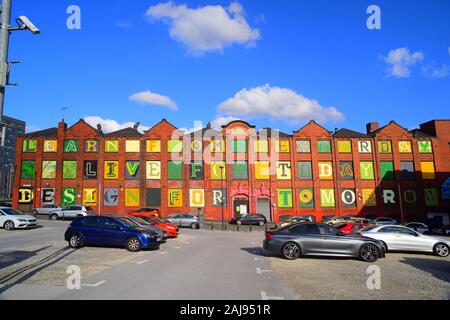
x,y
23,23
5,21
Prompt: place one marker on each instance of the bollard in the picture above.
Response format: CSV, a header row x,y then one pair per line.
x,y
237,227
250,228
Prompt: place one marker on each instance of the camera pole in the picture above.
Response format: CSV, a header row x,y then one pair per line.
x,y
4,46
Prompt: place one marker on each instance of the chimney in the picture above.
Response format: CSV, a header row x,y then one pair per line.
x,y
62,127
372,126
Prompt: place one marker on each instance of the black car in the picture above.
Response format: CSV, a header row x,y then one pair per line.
x,y
256,219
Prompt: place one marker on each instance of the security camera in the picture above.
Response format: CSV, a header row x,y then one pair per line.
x,y
28,25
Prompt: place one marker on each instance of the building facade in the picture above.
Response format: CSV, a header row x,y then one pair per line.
x,y
387,171
10,129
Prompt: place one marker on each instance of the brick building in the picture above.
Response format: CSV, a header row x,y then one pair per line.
x,y
385,171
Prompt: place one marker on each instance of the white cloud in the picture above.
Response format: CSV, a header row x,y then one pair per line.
x,y
109,125
278,103
205,29
401,60
148,97
432,72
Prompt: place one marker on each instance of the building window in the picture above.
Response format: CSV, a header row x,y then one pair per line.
x,y
262,170
261,146
111,146
69,170
325,170
366,170
28,169
175,170
407,168
346,170
283,146
29,145
240,170
387,170
175,146
50,146
344,147
71,146
284,198
304,170
425,147
404,147
324,146
284,170
364,146
132,146
197,171
428,172
239,146
153,146
303,146
384,147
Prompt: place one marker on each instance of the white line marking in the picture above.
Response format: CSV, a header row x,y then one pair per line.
x,y
264,296
177,247
164,252
259,270
95,285
139,262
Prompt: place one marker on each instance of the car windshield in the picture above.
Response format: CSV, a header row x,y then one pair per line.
x,y
141,221
340,226
368,228
12,212
129,223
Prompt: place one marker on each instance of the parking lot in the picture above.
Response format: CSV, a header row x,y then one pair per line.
x,y
203,264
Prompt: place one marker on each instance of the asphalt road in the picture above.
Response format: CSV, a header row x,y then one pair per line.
x,y
204,265
199,265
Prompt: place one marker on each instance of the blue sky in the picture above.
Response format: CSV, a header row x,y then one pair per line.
x,y
297,60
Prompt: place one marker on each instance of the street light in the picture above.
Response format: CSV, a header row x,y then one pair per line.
x,y
23,23
221,202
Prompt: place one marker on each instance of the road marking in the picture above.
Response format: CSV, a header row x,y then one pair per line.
x,y
164,252
260,271
264,296
95,285
139,262
177,247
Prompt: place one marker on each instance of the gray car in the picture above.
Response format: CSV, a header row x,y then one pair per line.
x,y
319,239
45,210
70,212
184,220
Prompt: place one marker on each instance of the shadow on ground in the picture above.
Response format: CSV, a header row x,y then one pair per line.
x,y
440,269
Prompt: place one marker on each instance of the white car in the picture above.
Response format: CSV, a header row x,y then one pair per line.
x,y
45,210
11,219
399,238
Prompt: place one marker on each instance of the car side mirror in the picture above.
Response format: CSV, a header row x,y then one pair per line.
x,y
340,233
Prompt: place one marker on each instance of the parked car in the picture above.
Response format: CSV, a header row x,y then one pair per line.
x,y
110,231
146,225
171,229
284,217
319,239
351,227
338,220
418,226
184,220
328,217
383,221
362,220
399,238
45,210
248,219
150,212
294,219
70,212
11,219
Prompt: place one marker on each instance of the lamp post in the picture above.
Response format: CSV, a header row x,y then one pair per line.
x,y
23,23
221,201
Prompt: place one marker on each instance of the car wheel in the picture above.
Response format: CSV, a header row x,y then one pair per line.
x,y
9,225
35,212
369,253
75,241
133,244
194,225
53,217
441,249
291,251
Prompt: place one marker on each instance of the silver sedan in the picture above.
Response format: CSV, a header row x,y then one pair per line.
x,y
399,238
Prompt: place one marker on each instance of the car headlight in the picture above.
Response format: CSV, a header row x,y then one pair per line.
x,y
22,220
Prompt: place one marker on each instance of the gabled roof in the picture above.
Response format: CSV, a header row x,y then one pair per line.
x,y
125,133
312,123
375,132
46,133
238,121
347,133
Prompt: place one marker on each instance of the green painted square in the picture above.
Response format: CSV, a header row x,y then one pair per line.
x,y
175,146
240,170
28,169
175,170
70,146
29,145
324,146
239,146
70,170
425,147
387,170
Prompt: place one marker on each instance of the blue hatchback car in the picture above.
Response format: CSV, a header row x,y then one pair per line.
x,y
110,231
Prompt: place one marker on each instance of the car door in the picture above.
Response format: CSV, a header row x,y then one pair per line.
x,y
333,242
90,230
390,236
309,237
110,232
2,218
186,220
409,240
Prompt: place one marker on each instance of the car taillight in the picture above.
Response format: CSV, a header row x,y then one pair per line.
x,y
269,235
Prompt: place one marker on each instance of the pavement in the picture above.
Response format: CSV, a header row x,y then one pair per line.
x,y
204,265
